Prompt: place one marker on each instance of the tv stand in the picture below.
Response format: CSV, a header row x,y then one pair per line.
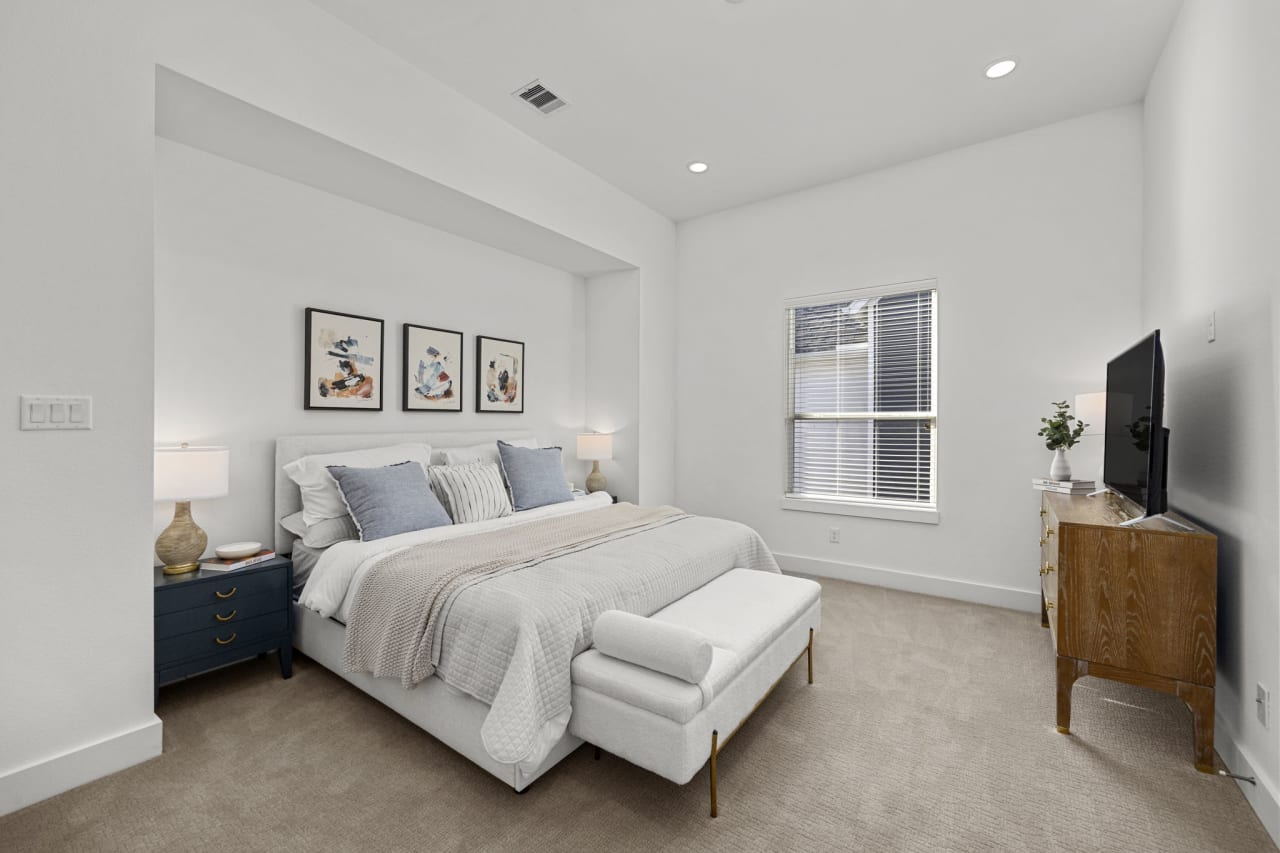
x,y
1133,600
1163,516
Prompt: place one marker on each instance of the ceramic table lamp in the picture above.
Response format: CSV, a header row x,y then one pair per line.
x,y
592,447
185,474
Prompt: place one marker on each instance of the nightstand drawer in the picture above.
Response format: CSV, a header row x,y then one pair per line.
x,y
225,638
223,614
228,590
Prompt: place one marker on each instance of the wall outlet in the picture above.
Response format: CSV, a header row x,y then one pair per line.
x,y
833,535
1264,706
1213,326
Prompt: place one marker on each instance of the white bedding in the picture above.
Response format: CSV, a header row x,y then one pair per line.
x,y
331,587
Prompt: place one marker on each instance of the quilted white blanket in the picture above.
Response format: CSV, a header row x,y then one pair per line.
x,y
507,634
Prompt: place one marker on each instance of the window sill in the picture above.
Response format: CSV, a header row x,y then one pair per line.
x,y
865,510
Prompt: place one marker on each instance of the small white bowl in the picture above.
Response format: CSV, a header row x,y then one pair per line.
x,y
236,550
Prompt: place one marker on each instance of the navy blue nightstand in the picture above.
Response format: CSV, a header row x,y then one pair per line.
x,y
206,619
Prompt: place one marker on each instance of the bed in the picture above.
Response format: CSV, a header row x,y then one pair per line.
x,y
520,732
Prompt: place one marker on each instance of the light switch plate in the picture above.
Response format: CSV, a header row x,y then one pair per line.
x,y
45,411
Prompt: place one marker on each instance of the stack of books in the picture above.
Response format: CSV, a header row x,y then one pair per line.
x,y
1065,487
217,565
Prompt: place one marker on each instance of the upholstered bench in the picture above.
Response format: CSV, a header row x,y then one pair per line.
x,y
757,625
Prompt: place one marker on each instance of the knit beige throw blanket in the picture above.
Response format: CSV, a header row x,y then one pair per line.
x,y
392,624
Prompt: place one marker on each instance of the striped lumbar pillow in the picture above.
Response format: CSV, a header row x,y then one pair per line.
x,y
471,492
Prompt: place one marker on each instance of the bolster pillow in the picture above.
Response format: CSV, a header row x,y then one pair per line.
x,y
672,649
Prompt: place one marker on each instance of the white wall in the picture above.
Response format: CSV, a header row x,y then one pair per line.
x,y
76,108
294,60
241,253
1212,245
613,399
1035,242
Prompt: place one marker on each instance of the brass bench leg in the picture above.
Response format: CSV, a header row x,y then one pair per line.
x,y
715,737
811,656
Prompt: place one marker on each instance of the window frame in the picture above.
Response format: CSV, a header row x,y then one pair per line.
x,y
910,511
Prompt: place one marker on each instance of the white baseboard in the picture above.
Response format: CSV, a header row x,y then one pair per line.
x,y
1263,797
978,593
23,786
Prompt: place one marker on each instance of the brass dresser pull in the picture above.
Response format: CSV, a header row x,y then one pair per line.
x,y
1043,512
225,594
1047,569
226,618
227,641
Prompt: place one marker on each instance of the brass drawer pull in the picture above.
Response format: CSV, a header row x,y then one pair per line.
x,y
1048,605
1044,541
226,618
1043,512
227,641
225,594
1047,569
1048,531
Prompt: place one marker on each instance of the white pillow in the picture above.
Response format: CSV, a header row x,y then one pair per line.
x,y
481,452
320,496
322,534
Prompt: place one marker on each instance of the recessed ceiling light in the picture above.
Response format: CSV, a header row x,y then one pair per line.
x,y
1001,69
698,167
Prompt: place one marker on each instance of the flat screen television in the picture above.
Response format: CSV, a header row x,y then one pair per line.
x,y
1137,444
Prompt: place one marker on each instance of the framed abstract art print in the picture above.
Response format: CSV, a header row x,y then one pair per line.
x,y
343,367
432,369
500,375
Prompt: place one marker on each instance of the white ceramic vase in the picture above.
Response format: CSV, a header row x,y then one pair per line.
x,y
1061,468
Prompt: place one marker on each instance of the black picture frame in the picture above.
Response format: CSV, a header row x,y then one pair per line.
x,y
313,395
519,372
411,402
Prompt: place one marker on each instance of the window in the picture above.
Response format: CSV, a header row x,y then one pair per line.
x,y
862,402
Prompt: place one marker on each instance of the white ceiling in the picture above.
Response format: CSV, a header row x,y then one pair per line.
x,y
775,95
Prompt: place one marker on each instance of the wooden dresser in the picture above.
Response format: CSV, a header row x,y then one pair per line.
x,y
1137,604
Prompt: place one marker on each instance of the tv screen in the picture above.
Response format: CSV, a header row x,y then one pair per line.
x,y
1134,454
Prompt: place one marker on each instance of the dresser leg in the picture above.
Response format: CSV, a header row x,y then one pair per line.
x,y
1044,613
1069,669
286,660
1200,700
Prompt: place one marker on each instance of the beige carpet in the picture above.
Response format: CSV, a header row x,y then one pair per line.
x,y
930,727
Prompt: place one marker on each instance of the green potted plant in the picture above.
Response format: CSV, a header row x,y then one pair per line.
x,y
1061,432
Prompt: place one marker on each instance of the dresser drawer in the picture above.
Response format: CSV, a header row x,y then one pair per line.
x,y
223,614
221,639
228,590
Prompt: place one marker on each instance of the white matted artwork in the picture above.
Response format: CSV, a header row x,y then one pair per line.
x,y
343,361
500,375
432,369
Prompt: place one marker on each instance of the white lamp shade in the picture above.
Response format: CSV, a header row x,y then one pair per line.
x,y
595,446
1092,409
191,473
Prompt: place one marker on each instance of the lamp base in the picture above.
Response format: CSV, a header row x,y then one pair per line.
x,y
182,543
596,481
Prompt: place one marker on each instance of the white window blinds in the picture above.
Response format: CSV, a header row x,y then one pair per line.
x,y
862,401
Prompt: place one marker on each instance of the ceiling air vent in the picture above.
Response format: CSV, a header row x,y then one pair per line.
x,y
540,97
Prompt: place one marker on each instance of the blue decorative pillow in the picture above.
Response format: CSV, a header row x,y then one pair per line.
x,y
535,475
389,500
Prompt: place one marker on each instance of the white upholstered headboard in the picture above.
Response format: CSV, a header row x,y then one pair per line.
x,y
291,447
